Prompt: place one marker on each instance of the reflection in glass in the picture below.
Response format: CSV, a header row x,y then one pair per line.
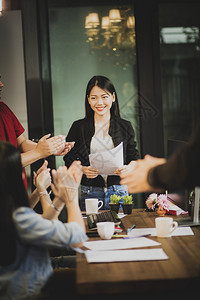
x,y
180,65
114,36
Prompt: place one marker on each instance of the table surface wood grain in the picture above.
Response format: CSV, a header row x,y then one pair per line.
x,y
180,271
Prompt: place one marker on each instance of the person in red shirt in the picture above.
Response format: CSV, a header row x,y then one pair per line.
x,y
12,131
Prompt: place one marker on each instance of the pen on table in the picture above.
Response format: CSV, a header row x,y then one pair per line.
x,y
129,229
136,236
120,235
125,236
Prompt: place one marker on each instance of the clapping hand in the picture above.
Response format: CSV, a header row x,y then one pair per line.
x,y
66,182
55,145
42,178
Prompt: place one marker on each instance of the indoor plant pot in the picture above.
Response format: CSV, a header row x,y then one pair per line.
x,y
127,208
114,203
114,207
127,204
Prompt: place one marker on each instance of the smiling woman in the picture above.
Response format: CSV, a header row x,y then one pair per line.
x,y
101,101
102,129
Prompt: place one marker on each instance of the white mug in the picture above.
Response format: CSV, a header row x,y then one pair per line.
x,y
92,205
165,226
105,229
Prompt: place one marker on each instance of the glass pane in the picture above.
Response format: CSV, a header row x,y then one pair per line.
x,y
81,48
180,65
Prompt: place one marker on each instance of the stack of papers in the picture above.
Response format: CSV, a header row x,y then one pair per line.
x,y
120,244
102,251
125,255
108,161
179,231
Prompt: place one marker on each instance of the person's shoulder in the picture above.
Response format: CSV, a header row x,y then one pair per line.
x,y
23,210
5,108
4,105
80,122
22,213
121,121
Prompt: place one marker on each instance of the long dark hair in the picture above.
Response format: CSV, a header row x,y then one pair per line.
x,y
105,84
12,195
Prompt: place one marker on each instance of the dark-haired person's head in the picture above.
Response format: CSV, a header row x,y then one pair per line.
x,y
106,85
13,195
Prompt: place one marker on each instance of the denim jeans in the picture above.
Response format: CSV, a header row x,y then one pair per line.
x,y
102,193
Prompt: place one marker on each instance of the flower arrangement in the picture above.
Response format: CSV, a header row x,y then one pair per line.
x,y
163,202
154,200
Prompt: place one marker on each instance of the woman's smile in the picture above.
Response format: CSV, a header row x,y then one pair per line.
x,y
100,101
100,108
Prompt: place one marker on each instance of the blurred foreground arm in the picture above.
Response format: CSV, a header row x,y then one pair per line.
x,y
136,179
180,171
182,168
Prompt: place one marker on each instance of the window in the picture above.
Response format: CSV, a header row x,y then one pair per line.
x,y
80,50
180,64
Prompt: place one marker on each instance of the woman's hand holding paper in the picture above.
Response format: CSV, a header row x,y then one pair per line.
x,y
90,172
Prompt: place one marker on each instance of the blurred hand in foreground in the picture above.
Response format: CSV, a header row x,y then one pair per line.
x,y
136,179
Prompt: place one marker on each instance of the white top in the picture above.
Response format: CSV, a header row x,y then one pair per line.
x,y
101,144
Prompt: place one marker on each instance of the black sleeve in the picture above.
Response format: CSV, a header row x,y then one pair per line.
x,y
80,151
131,150
182,170
72,136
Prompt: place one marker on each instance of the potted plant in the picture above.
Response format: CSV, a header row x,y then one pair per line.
x,y
114,203
127,204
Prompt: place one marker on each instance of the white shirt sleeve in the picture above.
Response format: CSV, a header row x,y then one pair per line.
x,y
34,229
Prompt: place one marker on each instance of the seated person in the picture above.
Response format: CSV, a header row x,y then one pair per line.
x,y
26,236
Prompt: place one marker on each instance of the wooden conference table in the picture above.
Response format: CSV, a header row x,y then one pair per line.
x,y
180,272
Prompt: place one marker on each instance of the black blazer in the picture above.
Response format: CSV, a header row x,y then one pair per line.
x,y
82,132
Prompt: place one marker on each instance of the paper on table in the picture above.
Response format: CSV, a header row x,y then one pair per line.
x,y
125,255
179,231
108,161
101,245
121,215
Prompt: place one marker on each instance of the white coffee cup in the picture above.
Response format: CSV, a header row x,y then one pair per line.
x,y
105,229
92,205
165,226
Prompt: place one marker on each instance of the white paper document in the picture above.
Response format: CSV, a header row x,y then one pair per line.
x,y
117,244
125,255
108,161
179,231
